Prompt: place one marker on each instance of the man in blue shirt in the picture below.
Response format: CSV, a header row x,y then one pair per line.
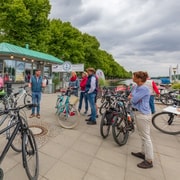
x,y
36,84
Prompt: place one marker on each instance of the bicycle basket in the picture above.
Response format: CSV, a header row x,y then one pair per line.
x,y
73,99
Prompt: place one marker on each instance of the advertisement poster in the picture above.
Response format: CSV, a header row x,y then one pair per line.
x,y
20,71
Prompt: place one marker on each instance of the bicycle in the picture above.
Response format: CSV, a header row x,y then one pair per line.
x,y
168,121
167,98
123,123
29,151
107,117
66,111
24,95
12,99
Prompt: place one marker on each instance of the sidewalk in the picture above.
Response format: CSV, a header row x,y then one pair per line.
x,y
82,154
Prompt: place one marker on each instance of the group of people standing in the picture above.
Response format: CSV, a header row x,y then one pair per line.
x,y
88,92
140,98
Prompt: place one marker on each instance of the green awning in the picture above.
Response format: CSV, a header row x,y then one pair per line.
x,y
9,49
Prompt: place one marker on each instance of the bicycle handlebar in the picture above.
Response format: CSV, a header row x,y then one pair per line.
x,y
24,87
17,108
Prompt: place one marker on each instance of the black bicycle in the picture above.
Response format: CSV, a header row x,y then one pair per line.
x,y
168,98
108,114
123,123
28,144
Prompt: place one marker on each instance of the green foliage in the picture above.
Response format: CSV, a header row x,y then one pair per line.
x,y
26,22
176,86
102,82
55,81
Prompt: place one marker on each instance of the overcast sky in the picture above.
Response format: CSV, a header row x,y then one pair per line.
x,y
140,34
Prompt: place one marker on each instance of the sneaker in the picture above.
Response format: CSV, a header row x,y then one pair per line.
x,y
145,164
91,122
32,115
138,154
38,116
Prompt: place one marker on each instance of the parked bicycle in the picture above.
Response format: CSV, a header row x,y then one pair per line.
x,y
168,121
66,110
28,144
24,95
123,123
107,116
15,98
168,98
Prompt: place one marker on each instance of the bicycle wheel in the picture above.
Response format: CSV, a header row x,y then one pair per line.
x,y
166,99
103,107
104,126
30,155
1,174
167,122
119,130
2,105
27,99
68,116
17,142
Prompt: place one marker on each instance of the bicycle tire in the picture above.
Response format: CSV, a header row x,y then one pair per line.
x,y
104,126
30,155
16,145
1,174
103,107
167,123
166,99
68,120
119,130
27,100
2,106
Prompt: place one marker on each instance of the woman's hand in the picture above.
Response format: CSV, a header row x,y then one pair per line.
x,y
130,97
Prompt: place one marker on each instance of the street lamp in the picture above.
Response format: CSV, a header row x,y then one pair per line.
x,y
174,70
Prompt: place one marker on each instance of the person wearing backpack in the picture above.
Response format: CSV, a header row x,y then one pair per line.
x,y
36,84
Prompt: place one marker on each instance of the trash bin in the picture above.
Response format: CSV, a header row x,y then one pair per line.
x,y
8,87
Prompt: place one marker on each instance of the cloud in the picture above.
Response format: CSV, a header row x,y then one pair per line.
x,y
140,34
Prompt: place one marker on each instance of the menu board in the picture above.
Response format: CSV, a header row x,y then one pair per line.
x,y
20,66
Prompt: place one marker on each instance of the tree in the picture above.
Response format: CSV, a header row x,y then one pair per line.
x,y
25,21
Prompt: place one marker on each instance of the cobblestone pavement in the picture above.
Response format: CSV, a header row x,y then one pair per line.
x,y
82,154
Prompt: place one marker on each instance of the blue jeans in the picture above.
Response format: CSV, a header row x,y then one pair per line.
x,y
151,104
36,98
83,96
91,98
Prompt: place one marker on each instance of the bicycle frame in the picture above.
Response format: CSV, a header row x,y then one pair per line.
x,y
22,94
63,102
10,140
